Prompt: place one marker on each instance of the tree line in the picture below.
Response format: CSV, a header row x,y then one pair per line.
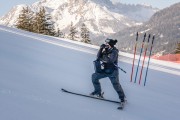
x,y
177,51
41,22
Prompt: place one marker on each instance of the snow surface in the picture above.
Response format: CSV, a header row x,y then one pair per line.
x,y
33,69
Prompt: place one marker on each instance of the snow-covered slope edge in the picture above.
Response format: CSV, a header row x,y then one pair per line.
x,y
173,68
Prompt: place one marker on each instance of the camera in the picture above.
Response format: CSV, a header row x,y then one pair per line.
x,y
104,46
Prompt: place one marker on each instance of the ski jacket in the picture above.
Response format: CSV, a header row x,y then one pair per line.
x,y
109,58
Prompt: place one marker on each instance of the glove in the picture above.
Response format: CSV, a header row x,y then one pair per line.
x,y
102,46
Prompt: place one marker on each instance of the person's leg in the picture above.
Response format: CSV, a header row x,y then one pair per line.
x,y
115,82
95,80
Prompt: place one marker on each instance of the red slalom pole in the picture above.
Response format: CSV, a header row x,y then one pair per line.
x,y
149,60
144,59
134,56
140,57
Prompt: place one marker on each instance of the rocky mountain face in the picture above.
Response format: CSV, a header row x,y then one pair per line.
x,y
101,17
165,25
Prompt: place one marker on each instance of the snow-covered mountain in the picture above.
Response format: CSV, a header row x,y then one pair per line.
x,y
10,18
165,24
102,17
33,69
139,12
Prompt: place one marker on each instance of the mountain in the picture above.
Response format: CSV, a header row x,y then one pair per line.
x,y
165,24
102,17
34,68
10,19
141,13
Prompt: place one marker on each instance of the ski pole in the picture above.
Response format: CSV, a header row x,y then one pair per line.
x,y
144,59
149,60
140,57
120,68
134,56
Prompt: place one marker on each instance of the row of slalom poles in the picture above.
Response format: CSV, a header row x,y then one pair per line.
x,y
140,57
149,60
134,56
146,47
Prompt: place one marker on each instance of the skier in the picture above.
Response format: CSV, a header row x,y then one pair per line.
x,y
108,58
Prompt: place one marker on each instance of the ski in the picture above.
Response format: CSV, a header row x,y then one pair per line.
x,y
89,96
140,57
149,60
146,47
134,56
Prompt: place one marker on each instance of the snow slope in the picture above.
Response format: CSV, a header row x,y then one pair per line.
x,y
33,69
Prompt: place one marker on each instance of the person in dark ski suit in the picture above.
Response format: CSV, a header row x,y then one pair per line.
x,y
108,55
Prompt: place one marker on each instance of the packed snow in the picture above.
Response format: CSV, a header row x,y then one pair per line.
x,y
33,69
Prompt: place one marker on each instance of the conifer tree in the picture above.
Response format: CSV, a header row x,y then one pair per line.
x,y
85,34
177,51
39,20
43,23
49,25
24,20
60,33
73,32
36,23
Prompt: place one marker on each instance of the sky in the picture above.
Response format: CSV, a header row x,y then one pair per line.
x,y
155,3
6,5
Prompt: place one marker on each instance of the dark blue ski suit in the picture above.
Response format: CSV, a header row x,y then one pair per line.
x,y
109,58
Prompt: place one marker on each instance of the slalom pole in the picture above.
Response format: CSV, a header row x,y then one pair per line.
x,y
134,56
149,60
144,59
140,57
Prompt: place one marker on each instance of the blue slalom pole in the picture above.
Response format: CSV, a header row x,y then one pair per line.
x,y
140,57
146,47
149,60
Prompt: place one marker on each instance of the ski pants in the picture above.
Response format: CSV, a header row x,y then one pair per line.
x,y
114,78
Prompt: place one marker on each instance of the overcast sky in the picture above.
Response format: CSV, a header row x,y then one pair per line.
x,y
6,5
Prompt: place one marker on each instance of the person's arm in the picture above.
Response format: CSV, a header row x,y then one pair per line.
x,y
99,54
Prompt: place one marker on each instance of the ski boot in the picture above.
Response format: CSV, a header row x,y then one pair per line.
x,y
97,94
122,103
